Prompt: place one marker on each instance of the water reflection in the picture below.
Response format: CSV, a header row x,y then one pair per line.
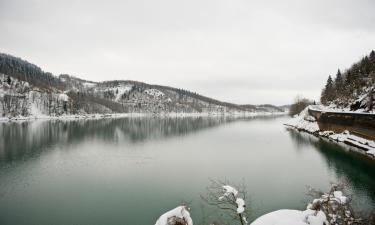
x,y
347,165
130,170
21,140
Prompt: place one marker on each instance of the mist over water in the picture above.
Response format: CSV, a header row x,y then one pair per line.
x,y
131,170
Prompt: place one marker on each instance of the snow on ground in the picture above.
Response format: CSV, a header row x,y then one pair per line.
x,y
180,212
122,90
34,111
334,108
63,97
154,92
89,85
305,122
292,217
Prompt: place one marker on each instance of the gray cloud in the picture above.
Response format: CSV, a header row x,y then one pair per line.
x,y
241,51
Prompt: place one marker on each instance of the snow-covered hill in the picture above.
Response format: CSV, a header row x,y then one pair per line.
x,y
26,90
354,89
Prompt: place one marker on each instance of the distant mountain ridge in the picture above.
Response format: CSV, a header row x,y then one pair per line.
x,y
26,90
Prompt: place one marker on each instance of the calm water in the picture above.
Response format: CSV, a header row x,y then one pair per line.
x,y
129,171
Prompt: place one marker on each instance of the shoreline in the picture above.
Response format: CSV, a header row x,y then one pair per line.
x,y
137,115
308,124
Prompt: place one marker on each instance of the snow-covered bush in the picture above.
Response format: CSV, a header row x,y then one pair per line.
x,y
335,206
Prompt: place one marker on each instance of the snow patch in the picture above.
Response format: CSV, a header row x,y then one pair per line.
x,y
154,92
89,85
34,111
122,90
63,97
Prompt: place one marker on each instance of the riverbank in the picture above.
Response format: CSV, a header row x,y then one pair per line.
x,y
361,124
135,115
308,123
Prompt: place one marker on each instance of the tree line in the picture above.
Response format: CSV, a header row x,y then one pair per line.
x,y
25,71
347,86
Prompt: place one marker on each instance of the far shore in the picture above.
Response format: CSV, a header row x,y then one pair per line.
x,y
135,115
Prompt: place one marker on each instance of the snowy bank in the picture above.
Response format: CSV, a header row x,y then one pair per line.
x,y
305,122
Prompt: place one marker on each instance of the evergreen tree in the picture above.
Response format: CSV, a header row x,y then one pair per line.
x,y
349,83
9,80
327,94
339,83
329,85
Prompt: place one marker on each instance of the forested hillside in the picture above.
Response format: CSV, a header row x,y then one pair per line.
x,y
352,89
26,90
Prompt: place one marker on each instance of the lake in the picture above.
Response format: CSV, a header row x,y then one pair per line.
x,y
129,171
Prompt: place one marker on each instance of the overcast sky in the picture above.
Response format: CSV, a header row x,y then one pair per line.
x,y
239,51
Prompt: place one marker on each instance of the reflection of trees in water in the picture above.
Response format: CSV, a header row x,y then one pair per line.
x,y
358,170
20,140
24,139
301,139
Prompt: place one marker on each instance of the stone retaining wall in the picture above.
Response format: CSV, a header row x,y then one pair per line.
x,y
362,125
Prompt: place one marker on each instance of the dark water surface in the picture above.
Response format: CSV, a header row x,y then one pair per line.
x,y
129,171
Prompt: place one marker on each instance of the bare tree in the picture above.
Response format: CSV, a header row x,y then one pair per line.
x,y
228,198
300,103
370,104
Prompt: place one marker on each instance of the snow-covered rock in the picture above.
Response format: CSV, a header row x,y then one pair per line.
x,y
180,212
292,217
346,137
314,217
281,217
